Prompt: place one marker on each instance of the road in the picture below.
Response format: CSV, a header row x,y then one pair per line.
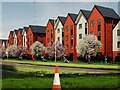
x,y
65,69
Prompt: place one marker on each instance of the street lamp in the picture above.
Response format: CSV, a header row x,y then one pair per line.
x,y
55,36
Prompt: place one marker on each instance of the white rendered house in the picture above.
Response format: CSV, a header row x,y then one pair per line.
x,y
82,25
15,37
116,40
59,33
24,33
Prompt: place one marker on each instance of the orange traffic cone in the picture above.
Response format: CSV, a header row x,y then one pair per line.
x,y
56,82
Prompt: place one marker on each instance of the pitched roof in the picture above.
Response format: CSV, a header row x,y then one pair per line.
x,y
26,29
21,30
3,40
86,13
73,16
107,12
11,32
62,19
37,29
16,31
52,21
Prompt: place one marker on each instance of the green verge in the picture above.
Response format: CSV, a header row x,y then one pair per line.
x,y
60,64
107,81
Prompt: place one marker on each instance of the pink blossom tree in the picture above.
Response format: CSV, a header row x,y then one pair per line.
x,y
2,52
38,49
55,48
12,51
89,46
21,51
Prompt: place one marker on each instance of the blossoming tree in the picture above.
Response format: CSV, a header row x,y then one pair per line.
x,y
89,46
55,48
38,49
2,52
12,51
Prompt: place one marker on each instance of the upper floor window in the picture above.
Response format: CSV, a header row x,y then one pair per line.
x,y
118,44
80,26
58,38
71,27
80,36
48,40
66,46
49,31
66,37
99,22
62,29
118,32
92,23
86,28
58,30
66,28
30,35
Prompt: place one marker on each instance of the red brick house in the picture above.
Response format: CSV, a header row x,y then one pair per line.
x,y
11,38
50,32
4,42
101,22
70,35
35,33
19,37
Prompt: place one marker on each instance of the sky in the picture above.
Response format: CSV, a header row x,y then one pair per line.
x,y
14,15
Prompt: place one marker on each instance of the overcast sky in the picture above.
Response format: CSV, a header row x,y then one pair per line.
x,y
19,14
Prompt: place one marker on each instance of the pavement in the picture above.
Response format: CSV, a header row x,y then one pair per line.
x,y
65,69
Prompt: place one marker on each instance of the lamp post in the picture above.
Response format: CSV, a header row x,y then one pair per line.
x,y
55,36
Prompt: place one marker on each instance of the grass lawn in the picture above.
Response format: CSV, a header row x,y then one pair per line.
x,y
82,65
89,81
37,78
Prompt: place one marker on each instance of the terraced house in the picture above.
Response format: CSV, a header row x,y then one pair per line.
x,y
35,33
70,36
50,32
11,38
24,34
116,41
4,43
20,37
59,30
82,25
15,37
101,22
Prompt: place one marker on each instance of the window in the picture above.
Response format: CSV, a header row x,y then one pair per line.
x,y
86,28
99,38
58,30
99,30
99,22
66,28
71,44
30,35
67,37
66,46
71,27
118,44
92,23
30,42
80,26
80,36
58,38
49,31
92,33
62,29
48,40
118,32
